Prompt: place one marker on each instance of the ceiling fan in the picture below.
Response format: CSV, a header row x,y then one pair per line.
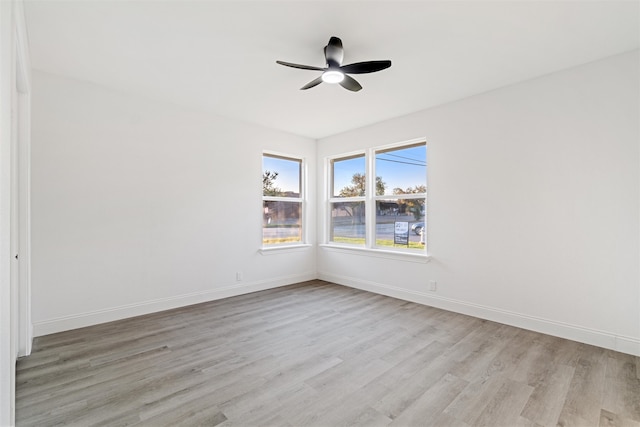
x,y
335,72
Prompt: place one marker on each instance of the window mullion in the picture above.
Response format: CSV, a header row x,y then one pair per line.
x,y
370,204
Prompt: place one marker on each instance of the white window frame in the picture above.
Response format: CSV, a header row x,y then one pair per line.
x,y
370,248
267,249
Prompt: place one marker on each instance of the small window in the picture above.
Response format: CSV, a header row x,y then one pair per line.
x,y
282,200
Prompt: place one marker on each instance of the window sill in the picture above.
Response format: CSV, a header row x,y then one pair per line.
x,y
272,250
378,253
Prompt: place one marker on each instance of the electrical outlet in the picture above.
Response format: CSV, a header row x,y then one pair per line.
x,y
433,285
238,276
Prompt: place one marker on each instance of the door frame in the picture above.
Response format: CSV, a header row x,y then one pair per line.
x,y
21,164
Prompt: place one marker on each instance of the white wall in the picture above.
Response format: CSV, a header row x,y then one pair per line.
x,y
533,206
140,206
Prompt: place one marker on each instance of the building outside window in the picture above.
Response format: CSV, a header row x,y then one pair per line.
x,y
282,200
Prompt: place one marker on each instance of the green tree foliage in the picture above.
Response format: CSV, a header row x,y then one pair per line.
x,y
359,184
268,184
380,186
358,189
415,206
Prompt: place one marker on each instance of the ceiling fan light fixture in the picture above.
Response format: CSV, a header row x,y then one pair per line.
x,y
335,72
332,76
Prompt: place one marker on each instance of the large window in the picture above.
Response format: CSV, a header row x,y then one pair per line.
x,y
378,198
282,200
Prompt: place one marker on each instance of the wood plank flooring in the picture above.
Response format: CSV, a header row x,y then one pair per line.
x,y
319,354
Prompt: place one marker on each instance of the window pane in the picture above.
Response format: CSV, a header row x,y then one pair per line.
x,y
281,222
392,211
348,223
348,177
402,170
281,176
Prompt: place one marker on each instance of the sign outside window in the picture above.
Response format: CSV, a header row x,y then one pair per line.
x,y
401,233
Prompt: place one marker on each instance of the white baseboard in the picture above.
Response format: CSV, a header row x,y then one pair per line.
x,y
81,320
598,338
628,345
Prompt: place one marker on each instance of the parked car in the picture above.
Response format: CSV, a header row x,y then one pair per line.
x,y
417,227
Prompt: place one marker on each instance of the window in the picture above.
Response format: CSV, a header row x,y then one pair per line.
x,y
282,200
388,212
348,190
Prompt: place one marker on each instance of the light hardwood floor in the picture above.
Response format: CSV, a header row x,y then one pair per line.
x,y
316,353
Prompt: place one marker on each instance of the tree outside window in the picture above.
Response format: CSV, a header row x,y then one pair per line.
x,y
282,200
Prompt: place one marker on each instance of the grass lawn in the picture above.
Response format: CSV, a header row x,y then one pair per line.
x,y
379,242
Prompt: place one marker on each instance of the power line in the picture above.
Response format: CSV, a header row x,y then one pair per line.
x,y
407,158
399,161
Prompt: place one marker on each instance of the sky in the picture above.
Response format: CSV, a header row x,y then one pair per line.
x,y
405,167
288,173
401,168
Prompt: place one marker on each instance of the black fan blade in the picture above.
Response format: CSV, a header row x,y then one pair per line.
x,y
312,83
333,52
304,67
350,83
365,67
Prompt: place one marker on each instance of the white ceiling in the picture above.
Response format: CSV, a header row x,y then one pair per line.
x,y
219,56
